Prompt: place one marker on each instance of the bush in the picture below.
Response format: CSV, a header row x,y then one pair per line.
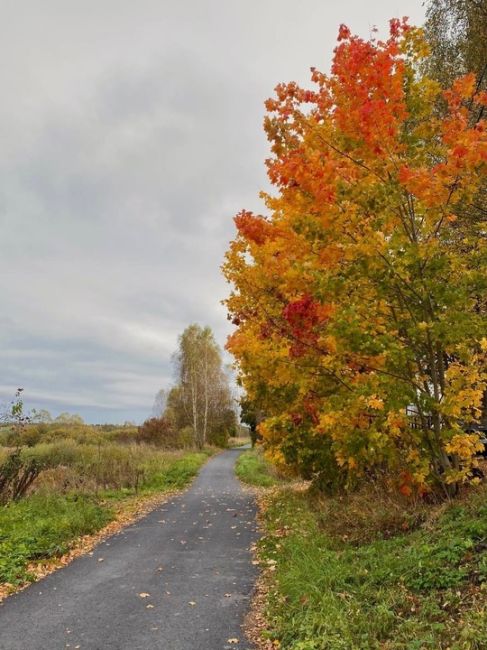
x,y
67,503
186,437
16,476
159,432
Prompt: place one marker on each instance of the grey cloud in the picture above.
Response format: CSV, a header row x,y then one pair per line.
x,y
131,134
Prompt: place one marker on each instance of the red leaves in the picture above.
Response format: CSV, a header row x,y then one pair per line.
x,y
398,27
303,316
405,483
306,311
368,180
343,33
460,151
254,228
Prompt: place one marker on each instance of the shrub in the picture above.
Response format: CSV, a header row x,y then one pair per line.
x,y
159,432
16,475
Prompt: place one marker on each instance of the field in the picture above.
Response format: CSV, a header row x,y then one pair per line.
x,y
372,570
87,477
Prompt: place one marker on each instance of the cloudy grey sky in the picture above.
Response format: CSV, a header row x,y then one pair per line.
x,y
130,135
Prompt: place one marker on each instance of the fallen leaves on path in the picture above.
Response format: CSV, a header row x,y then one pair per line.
x,y
255,622
129,511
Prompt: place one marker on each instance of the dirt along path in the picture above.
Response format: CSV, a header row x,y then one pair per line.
x,y
178,579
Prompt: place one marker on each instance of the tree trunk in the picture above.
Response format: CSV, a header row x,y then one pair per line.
x,y
205,385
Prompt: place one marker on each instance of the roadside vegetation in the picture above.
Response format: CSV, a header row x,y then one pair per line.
x,y
61,479
360,313
253,469
368,569
239,440
373,571
83,479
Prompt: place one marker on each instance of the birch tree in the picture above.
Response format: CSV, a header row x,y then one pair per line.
x,y
203,388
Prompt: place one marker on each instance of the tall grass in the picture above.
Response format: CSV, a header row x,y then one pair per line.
x,y
252,468
76,493
412,582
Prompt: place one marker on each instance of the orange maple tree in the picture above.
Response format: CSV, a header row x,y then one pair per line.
x,y
359,301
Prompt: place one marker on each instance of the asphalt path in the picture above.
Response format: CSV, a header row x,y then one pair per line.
x,y
178,579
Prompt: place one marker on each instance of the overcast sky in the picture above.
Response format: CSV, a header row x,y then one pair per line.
x,y
130,135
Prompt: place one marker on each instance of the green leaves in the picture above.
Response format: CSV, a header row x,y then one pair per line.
x,y
368,222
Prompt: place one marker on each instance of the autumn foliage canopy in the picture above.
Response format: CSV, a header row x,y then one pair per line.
x,y
359,301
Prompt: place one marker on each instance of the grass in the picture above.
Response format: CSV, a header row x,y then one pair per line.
x,y
78,493
416,585
238,441
41,526
252,468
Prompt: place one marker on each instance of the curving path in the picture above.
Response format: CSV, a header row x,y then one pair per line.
x,y
178,579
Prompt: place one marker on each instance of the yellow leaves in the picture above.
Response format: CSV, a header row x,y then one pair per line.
x,y
327,421
352,463
375,403
464,86
395,423
464,445
464,389
329,343
364,220
415,44
420,477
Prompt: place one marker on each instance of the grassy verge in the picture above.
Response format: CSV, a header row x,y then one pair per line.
x,y
252,468
44,524
412,582
238,442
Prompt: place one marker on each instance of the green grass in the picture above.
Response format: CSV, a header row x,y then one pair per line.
x,y
44,524
41,526
177,474
252,468
424,589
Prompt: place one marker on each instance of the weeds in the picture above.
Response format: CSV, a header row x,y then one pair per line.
x,y
76,494
16,476
421,586
252,468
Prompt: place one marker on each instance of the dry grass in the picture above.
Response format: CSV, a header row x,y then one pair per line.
x,y
372,512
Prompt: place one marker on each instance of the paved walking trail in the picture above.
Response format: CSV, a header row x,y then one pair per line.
x,y
178,579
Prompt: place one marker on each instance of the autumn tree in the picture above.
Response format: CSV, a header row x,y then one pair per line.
x,y
357,299
69,418
160,401
457,33
202,398
41,416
